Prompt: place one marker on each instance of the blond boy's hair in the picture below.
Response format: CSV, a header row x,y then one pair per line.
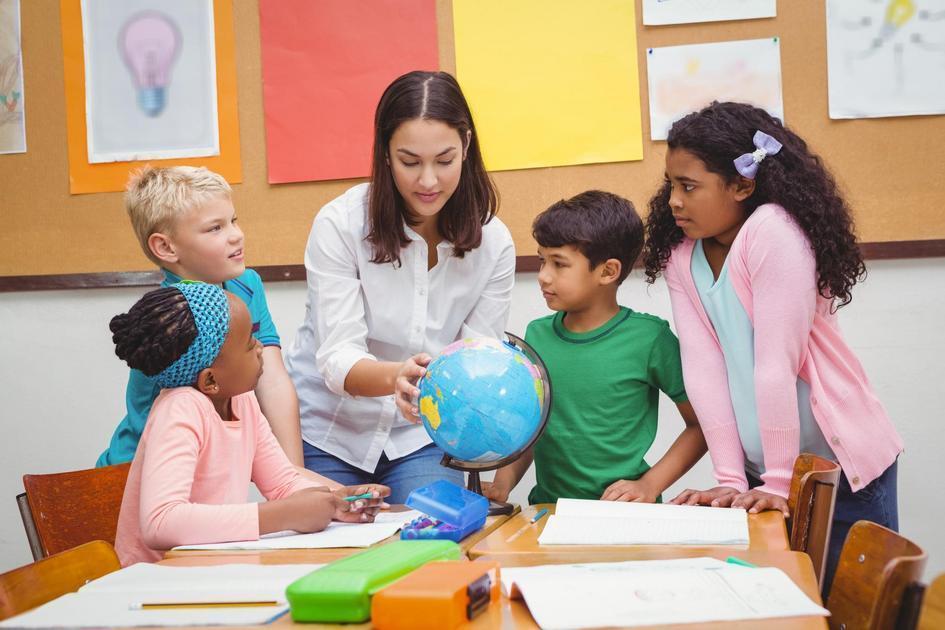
x,y
156,197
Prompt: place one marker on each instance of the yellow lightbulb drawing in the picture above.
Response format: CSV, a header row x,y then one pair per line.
x,y
898,12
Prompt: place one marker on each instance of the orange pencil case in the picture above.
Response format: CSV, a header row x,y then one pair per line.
x,y
437,595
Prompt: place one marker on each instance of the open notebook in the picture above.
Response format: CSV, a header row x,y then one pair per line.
x,y
118,599
645,593
335,535
583,522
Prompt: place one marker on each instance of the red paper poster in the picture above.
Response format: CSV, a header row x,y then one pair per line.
x,y
325,65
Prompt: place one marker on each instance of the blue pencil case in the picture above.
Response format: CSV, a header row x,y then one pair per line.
x,y
451,512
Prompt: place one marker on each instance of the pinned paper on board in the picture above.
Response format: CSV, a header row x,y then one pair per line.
x,y
189,28
684,79
323,78
550,82
12,117
659,12
886,57
150,74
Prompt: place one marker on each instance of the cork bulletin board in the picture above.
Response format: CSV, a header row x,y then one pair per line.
x,y
889,168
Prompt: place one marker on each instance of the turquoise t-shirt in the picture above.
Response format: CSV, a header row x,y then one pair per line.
x,y
606,385
737,338
142,390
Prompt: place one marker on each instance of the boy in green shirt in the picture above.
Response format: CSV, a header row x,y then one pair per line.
x,y
607,365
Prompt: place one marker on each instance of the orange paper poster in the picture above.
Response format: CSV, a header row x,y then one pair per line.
x,y
86,177
325,65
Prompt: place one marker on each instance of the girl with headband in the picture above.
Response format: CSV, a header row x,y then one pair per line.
x,y
206,438
758,250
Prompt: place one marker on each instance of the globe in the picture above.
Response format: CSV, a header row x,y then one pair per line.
x,y
484,402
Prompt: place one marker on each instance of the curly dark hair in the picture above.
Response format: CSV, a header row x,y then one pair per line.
x,y
601,225
155,332
795,178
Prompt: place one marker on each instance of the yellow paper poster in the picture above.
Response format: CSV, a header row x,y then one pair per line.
x,y
550,82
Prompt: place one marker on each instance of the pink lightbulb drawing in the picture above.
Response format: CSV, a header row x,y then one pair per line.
x,y
149,42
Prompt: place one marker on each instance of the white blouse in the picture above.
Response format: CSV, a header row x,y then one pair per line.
x,y
357,310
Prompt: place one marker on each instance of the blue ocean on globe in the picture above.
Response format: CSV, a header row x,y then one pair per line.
x,y
480,400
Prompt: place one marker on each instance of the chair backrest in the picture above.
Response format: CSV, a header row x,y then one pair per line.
x,y
932,615
36,548
876,566
76,507
811,501
44,580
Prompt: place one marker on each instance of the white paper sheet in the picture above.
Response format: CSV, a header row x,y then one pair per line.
x,y
614,594
150,79
684,79
335,535
885,58
582,522
12,121
114,600
658,12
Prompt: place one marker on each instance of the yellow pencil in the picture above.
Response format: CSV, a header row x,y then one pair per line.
x,y
165,605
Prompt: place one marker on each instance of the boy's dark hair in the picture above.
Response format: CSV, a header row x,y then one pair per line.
x,y
428,96
601,225
794,178
155,332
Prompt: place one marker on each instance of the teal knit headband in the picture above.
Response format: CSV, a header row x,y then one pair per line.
x,y
211,312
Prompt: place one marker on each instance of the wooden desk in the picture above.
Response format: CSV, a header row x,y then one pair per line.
x,y
514,613
303,556
766,531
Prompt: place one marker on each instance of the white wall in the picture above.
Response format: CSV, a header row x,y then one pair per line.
x,y
61,386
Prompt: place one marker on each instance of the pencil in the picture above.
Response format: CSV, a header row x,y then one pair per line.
x,y
356,497
540,513
166,605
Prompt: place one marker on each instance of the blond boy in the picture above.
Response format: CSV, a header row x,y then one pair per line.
x,y
185,222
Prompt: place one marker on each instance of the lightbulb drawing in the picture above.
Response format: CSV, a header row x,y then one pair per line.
x,y
149,42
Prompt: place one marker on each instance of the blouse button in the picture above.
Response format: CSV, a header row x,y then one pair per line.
x,y
835,440
855,480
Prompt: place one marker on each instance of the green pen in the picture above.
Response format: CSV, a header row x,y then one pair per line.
x,y
356,497
740,562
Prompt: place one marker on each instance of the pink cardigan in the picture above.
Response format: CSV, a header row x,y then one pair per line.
x,y
773,272
189,482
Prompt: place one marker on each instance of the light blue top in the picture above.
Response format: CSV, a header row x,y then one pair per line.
x,y
142,389
737,338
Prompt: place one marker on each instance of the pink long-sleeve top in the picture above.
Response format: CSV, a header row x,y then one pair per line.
x,y
189,481
773,271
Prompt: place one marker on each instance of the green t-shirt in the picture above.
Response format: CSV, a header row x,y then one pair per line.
x,y
606,385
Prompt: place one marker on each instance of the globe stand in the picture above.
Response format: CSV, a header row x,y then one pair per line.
x,y
474,468
473,484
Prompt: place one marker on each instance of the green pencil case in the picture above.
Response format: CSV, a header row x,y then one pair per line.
x,y
341,591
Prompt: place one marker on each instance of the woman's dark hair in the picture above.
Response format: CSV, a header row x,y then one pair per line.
x,y
794,178
155,332
601,225
428,96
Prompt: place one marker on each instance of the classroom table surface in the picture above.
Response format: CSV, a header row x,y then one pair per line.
x,y
766,532
184,557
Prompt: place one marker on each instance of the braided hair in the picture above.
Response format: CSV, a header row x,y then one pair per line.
x,y
795,179
155,332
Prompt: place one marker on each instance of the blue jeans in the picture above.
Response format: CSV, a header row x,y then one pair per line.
x,y
877,502
401,475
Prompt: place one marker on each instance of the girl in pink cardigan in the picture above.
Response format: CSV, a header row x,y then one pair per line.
x,y
206,438
758,250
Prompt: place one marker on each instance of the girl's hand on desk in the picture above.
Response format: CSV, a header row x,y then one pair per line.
x,y
637,491
367,507
720,496
405,385
306,511
758,500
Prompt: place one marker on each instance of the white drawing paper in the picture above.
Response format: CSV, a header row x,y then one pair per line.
x,y
659,12
886,57
12,120
150,79
684,79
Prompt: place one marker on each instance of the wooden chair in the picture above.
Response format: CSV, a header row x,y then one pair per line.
x,y
932,615
27,516
72,508
811,501
35,584
876,567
